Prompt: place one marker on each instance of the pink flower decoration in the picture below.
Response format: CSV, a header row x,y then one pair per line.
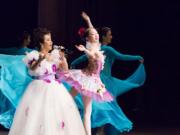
x,y
62,124
47,80
58,81
54,68
81,32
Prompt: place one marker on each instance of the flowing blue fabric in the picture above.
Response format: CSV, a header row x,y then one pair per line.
x,y
110,113
13,81
11,86
15,50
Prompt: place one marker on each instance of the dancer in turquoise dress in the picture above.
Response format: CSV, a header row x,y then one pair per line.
x,y
110,113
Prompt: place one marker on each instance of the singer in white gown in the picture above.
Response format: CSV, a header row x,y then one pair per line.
x,y
46,107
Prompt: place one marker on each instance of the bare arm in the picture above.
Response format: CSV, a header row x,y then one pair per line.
x,y
63,65
87,20
35,64
82,48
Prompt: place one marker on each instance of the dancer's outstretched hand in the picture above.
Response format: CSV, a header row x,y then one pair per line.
x,y
80,47
85,16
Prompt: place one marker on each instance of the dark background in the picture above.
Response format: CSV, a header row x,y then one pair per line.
x,y
149,28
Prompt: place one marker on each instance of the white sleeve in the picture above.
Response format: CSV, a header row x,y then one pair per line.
x,y
30,57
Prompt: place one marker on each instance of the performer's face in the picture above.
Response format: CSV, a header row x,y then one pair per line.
x,y
108,37
47,44
93,36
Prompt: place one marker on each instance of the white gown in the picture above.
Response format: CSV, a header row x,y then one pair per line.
x,y
46,107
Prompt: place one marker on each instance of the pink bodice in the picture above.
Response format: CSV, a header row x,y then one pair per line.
x,y
94,66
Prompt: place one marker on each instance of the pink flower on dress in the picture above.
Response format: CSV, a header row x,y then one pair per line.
x,y
47,80
58,81
62,125
54,68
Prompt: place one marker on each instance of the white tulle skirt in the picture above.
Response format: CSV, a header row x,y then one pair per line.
x,y
47,109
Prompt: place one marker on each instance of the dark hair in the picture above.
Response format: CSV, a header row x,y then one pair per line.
x,y
103,32
38,36
23,36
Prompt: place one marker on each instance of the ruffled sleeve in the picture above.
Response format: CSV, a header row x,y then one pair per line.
x,y
30,57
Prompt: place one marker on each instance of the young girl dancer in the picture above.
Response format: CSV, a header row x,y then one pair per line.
x,y
110,114
87,81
